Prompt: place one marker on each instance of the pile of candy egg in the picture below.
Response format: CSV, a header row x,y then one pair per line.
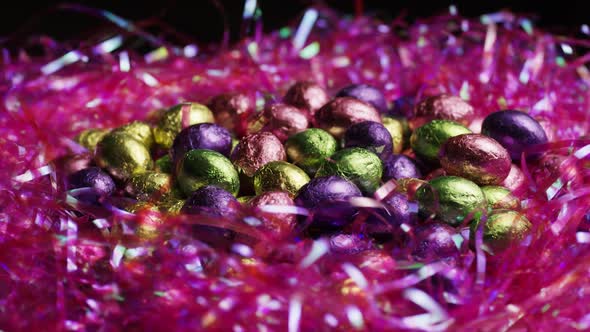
x,y
323,155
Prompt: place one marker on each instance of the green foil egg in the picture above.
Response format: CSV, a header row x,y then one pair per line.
x,y
173,120
399,130
503,228
245,199
499,197
122,155
358,165
310,148
279,176
148,185
170,204
451,199
164,164
89,138
199,168
427,140
141,131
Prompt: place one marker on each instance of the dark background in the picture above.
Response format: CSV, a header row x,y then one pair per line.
x,y
202,20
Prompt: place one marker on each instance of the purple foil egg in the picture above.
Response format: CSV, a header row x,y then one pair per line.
x,y
403,106
328,199
367,93
370,135
95,178
399,166
515,130
435,242
348,244
212,201
385,223
207,136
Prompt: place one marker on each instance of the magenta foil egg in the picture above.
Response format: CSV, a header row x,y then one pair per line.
x,y
278,224
445,107
285,120
230,111
308,96
475,157
257,150
340,113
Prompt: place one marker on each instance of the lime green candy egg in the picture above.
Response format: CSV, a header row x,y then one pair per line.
x,y
502,229
427,140
199,168
358,165
310,148
279,176
451,199
499,197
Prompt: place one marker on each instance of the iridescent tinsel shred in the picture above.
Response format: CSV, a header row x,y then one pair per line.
x,y
63,271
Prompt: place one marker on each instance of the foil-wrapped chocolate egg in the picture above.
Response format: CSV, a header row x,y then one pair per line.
x,y
310,148
369,135
516,181
445,107
503,228
358,165
399,130
277,223
122,155
211,200
307,96
89,138
279,176
199,168
499,197
427,139
257,150
141,131
201,136
385,223
515,130
148,185
328,198
475,157
164,164
173,120
403,107
451,199
435,242
171,204
399,166
231,111
367,93
340,113
284,120
92,177
348,244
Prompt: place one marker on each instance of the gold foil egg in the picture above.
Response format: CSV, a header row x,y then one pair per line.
x,y
122,155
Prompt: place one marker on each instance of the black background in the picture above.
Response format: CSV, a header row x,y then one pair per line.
x,y
201,19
